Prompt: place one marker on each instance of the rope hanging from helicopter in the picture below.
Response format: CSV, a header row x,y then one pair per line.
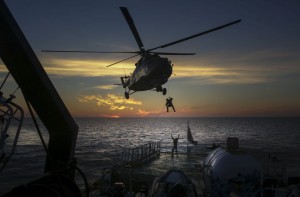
x,y
162,111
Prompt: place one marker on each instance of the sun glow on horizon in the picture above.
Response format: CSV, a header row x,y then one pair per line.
x,y
110,116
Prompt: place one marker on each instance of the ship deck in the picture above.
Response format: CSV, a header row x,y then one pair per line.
x,y
144,174
189,160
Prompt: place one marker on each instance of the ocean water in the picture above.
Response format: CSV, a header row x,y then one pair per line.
x,y
100,139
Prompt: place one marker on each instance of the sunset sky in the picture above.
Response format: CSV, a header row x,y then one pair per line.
x,y
249,69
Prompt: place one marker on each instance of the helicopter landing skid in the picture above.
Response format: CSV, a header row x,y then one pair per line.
x,y
160,89
164,91
127,94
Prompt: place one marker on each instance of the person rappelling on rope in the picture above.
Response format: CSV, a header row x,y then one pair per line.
x,y
169,103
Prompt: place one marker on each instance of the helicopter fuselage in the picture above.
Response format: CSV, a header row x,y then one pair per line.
x,y
152,71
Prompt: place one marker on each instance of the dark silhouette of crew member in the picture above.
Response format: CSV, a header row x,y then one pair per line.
x,y
170,104
175,141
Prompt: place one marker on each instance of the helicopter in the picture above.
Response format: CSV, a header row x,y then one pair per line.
x,y
151,71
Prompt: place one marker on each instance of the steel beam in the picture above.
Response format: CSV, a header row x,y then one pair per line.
x,y
26,69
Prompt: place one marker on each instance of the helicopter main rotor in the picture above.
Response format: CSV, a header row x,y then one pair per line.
x,y
138,39
133,28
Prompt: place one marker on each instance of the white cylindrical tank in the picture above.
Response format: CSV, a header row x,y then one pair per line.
x,y
231,173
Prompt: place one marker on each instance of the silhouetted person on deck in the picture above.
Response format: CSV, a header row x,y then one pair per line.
x,y
170,104
175,141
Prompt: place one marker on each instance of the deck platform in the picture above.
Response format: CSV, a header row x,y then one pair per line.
x,y
133,175
138,155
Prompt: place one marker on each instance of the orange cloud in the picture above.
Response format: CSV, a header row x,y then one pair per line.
x,y
111,101
142,112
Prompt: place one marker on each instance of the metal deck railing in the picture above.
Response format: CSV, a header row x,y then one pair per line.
x,y
138,155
